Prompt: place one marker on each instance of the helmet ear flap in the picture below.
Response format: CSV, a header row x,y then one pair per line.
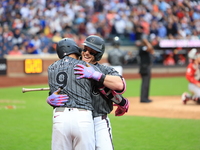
x,y
99,55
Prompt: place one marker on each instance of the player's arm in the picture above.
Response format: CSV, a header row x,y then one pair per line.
x,y
112,82
190,74
121,102
115,83
149,47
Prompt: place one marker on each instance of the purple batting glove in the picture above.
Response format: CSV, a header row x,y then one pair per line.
x,y
57,100
121,110
87,72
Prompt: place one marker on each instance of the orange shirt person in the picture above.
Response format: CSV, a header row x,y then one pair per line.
x,y
15,51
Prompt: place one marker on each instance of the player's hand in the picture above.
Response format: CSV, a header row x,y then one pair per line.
x,y
87,72
121,110
57,100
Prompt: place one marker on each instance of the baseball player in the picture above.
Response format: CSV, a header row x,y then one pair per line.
x,y
73,127
102,104
116,57
193,77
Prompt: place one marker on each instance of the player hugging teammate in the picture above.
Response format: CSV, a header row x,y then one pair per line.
x,y
106,87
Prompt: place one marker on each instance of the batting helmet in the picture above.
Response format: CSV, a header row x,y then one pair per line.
x,y
116,41
192,53
97,44
67,46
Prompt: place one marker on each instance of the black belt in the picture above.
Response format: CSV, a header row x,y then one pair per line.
x,y
102,117
62,109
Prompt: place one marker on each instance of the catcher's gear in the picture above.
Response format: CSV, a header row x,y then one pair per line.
x,y
97,44
121,110
67,46
57,100
87,72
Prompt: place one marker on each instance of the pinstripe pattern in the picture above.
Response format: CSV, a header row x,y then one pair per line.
x,y
61,73
102,106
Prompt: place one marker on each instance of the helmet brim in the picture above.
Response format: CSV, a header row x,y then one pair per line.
x,y
92,46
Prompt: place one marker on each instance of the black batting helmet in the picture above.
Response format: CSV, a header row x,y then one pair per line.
x,y
97,44
67,46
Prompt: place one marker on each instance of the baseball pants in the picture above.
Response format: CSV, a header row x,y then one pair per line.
x,y
145,87
103,133
194,89
73,129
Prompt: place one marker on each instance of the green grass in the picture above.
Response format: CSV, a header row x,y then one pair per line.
x,y
158,86
29,126
147,133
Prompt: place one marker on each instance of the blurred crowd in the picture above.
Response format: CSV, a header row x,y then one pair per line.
x,y
34,26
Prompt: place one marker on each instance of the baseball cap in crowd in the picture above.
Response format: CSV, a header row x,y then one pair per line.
x,y
31,45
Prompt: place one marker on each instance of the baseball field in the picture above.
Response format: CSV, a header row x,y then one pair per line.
x,y
164,124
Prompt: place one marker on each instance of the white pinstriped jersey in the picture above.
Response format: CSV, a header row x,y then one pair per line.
x,y
61,74
102,105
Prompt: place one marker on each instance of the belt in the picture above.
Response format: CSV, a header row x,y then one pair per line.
x,y
101,117
62,109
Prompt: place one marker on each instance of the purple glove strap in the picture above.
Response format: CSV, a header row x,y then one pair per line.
x,y
96,76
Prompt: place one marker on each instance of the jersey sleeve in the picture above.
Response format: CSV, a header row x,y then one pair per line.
x,y
190,74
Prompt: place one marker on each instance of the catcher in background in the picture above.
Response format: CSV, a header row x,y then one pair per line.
x,y
193,76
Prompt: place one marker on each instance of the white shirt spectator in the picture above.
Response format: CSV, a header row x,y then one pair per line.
x,y
37,42
90,28
24,11
55,24
120,25
69,11
32,11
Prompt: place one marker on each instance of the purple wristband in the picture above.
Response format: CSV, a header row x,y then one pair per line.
x,y
96,76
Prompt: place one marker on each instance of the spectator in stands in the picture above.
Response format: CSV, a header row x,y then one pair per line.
x,y
31,49
98,6
57,37
52,48
169,59
17,37
37,42
45,42
120,25
15,51
176,20
162,30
